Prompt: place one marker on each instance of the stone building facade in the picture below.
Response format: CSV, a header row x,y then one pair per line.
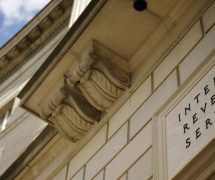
x,y
126,95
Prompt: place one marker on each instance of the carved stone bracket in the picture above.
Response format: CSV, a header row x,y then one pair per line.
x,y
89,90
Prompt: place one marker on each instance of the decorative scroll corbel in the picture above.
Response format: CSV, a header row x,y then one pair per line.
x,y
74,116
89,90
100,79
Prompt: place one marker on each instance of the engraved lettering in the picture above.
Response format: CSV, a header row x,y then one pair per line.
x,y
197,98
198,133
208,122
188,143
187,109
212,100
195,118
206,90
186,127
179,117
204,108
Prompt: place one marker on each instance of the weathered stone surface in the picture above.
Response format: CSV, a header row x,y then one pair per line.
x,y
88,90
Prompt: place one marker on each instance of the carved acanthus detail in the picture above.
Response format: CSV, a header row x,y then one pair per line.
x,y
107,92
69,122
89,90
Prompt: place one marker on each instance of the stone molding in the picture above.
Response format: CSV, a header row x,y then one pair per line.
x,y
139,76
47,155
40,142
39,34
88,92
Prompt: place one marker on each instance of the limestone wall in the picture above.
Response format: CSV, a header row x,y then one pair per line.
x,y
123,147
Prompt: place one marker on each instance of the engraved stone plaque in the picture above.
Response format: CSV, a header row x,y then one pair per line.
x,y
190,123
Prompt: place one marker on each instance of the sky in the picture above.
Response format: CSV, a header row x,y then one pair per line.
x,y
14,14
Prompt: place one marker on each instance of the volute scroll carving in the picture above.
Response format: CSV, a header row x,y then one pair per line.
x,y
89,91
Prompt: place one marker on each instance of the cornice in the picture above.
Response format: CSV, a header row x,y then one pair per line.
x,y
36,34
182,23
